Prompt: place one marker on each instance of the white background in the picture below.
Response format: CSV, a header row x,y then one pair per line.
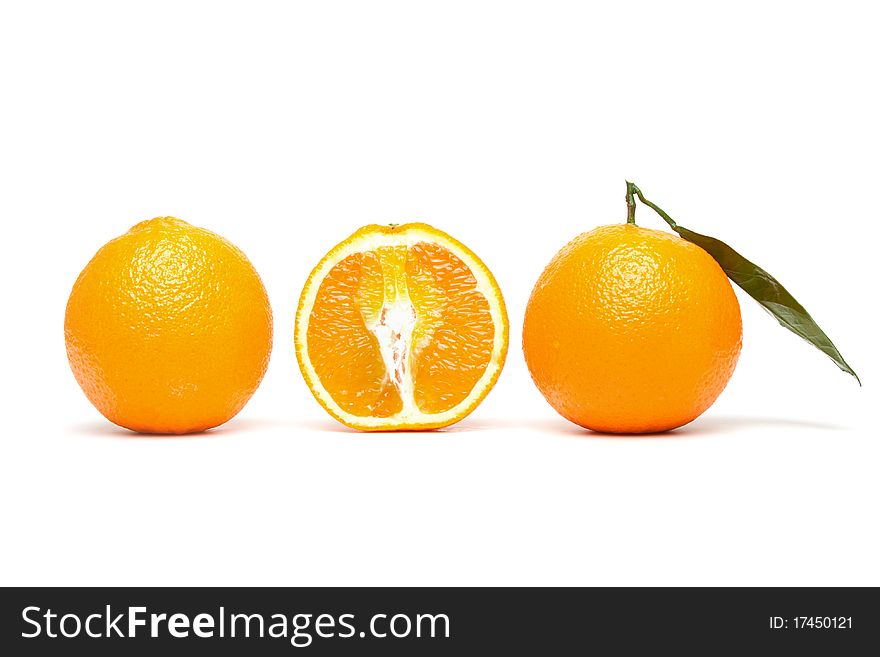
x,y
284,126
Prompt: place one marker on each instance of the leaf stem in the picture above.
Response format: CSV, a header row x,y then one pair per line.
x,y
630,203
632,188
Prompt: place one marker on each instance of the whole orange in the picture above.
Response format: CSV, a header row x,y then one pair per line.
x,y
631,330
168,328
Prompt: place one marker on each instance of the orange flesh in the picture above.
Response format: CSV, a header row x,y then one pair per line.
x,y
398,328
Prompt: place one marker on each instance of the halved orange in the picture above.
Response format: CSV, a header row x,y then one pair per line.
x,y
400,327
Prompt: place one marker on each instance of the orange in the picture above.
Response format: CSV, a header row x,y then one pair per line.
x,y
400,327
631,330
168,328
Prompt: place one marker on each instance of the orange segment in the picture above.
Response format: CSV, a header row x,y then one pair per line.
x,y
339,336
400,327
457,332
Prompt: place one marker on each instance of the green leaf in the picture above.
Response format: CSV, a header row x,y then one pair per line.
x,y
756,282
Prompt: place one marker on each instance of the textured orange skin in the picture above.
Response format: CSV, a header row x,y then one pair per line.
x,y
631,330
168,329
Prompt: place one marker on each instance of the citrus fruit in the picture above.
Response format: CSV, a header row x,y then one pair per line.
x,y
400,327
168,328
631,330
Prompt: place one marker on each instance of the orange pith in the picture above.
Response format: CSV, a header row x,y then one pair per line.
x,y
400,327
631,330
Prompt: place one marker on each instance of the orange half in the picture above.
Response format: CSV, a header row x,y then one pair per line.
x,y
400,327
